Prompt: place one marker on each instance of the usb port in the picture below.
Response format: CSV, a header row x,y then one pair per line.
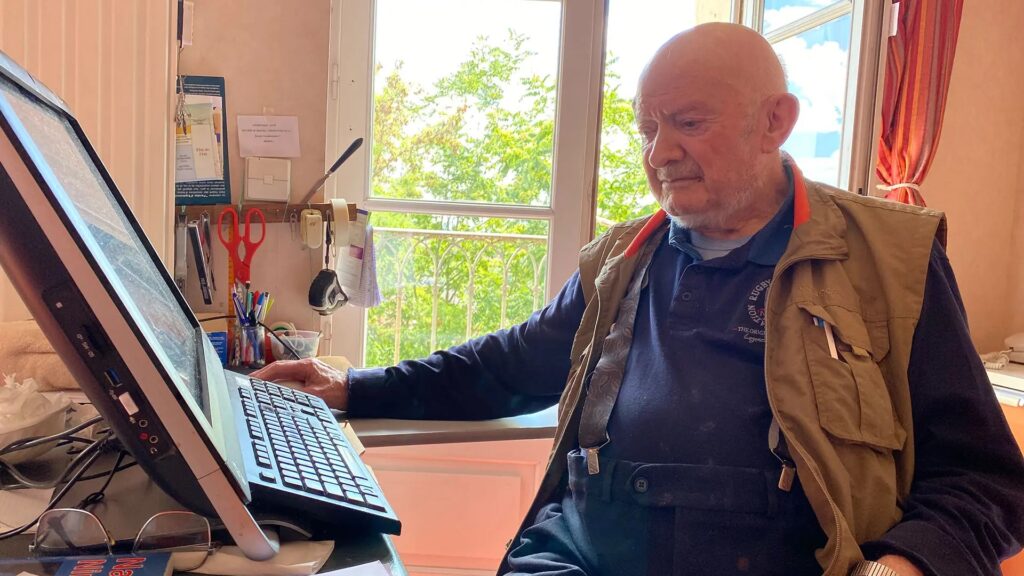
x,y
112,378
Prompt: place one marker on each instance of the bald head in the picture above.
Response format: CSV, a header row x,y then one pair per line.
x,y
729,55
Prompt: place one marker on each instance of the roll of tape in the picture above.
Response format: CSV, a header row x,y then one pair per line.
x,y
340,224
281,326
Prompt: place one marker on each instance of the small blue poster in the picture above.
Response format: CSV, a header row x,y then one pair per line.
x,y
201,143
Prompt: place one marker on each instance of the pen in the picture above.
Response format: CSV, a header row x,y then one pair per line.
x,y
238,307
829,337
266,310
259,306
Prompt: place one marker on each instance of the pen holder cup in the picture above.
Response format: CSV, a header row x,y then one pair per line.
x,y
251,345
304,342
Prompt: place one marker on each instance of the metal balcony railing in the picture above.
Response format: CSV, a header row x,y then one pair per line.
x,y
442,288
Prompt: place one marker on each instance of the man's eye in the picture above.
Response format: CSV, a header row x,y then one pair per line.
x,y
690,124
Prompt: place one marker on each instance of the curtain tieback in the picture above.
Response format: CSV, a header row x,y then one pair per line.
x,y
910,185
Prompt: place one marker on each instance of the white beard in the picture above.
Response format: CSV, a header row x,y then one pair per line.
x,y
725,215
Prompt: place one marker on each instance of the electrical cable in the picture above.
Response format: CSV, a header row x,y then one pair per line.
x,y
80,464
23,481
97,496
111,471
24,443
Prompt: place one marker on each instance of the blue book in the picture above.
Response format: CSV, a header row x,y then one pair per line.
x,y
150,564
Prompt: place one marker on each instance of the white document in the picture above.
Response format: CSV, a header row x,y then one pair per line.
x,y
371,569
301,558
19,507
350,261
184,166
268,136
367,293
206,162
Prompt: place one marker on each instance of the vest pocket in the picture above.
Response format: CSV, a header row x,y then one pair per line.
x,y
851,395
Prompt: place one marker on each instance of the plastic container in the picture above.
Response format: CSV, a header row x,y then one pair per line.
x,y
305,342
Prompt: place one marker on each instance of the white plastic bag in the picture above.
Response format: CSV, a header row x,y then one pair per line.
x,y
25,413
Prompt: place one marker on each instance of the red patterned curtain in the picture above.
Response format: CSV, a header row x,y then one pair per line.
x,y
917,71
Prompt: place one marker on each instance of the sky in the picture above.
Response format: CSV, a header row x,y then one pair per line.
x,y
431,38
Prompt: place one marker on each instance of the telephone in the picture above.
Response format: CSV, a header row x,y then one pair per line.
x,y
1015,345
1013,352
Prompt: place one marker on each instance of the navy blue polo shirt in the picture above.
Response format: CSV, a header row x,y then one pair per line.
x,y
696,365
693,392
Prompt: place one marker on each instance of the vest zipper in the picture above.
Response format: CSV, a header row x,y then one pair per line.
x,y
779,269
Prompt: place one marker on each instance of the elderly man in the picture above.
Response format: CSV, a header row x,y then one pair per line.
x,y
776,379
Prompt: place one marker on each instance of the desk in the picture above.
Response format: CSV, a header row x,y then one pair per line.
x,y
132,497
379,432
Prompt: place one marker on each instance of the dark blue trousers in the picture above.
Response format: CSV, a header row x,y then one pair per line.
x,y
635,519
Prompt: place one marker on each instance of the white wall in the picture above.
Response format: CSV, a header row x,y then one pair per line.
x,y
976,177
273,57
111,61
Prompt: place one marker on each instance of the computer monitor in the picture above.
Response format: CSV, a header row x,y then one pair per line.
x,y
84,268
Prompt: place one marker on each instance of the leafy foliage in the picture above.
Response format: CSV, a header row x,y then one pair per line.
x,y
483,133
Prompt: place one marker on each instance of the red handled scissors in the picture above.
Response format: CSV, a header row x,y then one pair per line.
x,y
241,257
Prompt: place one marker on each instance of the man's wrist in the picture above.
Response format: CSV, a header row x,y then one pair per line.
x,y
869,568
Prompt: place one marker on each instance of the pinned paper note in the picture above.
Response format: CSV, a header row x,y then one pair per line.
x,y
268,136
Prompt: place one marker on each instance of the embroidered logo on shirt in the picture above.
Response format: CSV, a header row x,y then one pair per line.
x,y
754,331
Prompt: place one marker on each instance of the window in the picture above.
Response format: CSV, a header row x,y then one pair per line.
x,y
820,45
476,171
489,133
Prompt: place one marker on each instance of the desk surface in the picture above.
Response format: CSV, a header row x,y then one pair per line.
x,y
132,498
378,432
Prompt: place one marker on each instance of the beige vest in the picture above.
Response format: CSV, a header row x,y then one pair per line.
x,y
858,263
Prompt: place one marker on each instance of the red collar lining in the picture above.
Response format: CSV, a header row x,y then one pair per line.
x,y
801,213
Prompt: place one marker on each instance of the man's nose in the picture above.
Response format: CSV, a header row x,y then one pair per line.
x,y
664,150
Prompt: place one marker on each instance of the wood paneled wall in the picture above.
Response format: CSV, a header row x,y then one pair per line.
x,y
113,62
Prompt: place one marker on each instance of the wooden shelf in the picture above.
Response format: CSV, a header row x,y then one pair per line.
x,y
274,213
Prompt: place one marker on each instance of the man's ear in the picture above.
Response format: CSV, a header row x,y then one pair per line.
x,y
783,111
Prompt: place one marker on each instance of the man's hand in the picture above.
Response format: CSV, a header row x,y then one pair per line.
x,y
316,378
901,565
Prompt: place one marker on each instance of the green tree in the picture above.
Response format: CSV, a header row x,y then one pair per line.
x,y
483,133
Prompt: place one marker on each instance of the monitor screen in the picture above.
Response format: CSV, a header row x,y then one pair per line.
x,y
100,222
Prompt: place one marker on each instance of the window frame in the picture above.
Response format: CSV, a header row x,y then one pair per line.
x,y
856,163
574,162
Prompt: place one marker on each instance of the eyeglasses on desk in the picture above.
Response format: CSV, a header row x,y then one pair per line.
x,y
77,532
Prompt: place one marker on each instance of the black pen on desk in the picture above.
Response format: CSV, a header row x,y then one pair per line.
x,y
337,163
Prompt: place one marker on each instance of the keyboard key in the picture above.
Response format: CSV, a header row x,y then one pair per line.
x,y
313,486
374,502
267,476
263,462
334,490
354,497
292,481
